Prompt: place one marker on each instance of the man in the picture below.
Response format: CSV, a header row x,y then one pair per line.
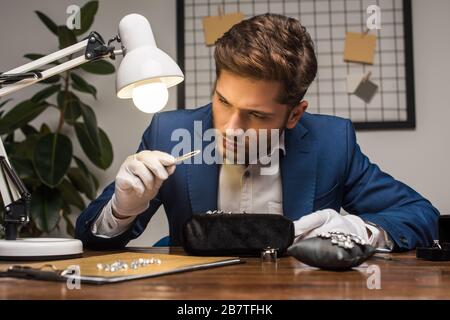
x,y
264,66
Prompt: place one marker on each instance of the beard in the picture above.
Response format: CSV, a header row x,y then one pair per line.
x,y
247,148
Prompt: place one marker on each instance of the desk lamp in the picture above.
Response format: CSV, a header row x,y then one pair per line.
x,y
143,75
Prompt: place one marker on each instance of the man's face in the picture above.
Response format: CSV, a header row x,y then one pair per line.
x,y
246,104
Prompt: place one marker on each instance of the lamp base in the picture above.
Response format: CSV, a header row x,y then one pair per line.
x,y
40,249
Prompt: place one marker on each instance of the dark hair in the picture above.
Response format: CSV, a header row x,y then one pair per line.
x,y
270,47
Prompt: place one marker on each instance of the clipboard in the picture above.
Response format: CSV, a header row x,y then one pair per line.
x,y
89,273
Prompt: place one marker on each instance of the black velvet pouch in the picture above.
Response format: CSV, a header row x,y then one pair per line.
x,y
327,254
242,234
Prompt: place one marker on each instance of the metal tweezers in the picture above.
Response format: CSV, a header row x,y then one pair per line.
x,y
186,156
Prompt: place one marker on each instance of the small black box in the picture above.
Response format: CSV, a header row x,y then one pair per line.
x,y
444,229
441,251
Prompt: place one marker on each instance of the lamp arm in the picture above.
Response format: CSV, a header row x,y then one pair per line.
x,y
94,47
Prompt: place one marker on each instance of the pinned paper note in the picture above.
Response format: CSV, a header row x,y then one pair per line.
x,y
215,26
353,81
360,47
361,86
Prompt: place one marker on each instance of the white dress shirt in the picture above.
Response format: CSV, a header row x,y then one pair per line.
x,y
242,188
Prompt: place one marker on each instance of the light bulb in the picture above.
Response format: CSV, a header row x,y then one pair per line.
x,y
150,97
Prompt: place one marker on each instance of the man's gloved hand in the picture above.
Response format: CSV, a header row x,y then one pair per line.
x,y
138,181
326,220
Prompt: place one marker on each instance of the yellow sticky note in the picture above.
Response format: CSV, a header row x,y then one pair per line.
x,y
359,47
215,26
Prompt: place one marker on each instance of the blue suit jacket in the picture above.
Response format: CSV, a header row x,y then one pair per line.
x,y
323,168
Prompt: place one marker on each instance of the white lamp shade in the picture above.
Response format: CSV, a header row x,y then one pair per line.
x,y
143,62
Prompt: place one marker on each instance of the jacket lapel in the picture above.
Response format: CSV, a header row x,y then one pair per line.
x,y
203,179
298,172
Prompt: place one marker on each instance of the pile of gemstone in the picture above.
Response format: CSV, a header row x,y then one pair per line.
x,y
123,266
344,240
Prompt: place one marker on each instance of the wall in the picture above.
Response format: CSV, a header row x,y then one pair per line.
x,y
418,157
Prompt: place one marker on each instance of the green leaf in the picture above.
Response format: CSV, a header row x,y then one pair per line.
x,y
33,56
21,114
84,183
84,168
81,165
23,167
44,129
81,85
48,22
70,194
96,183
61,99
66,37
45,93
87,12
25,148
4,102
90,121
51,158
28,130
45,208
72,112
102,157
10,138
98,67
70,229
71,103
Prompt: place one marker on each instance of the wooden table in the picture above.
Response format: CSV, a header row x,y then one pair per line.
x,y
402,276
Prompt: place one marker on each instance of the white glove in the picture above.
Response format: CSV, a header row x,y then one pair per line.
x,y
327,220
138,181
